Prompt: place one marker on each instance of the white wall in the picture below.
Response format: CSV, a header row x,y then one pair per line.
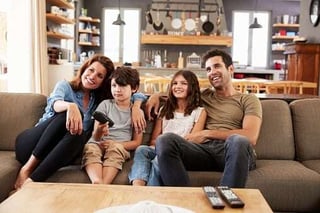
x,y
19,46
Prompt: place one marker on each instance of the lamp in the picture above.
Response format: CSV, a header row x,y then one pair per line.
x,y
119,21
255,23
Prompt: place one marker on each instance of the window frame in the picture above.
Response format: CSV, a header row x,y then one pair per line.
x,y
250,48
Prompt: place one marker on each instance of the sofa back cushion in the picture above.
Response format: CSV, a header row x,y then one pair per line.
x,y
306,118
276,135
18,111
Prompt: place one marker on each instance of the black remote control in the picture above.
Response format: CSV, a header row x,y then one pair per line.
x,y
230,197
102,118
213,197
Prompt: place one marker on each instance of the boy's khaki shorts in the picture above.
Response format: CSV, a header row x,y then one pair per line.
x,y
114,156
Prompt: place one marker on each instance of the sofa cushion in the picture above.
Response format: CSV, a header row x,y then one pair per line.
x,y
287,185
9,168
19,111
276,136
305,118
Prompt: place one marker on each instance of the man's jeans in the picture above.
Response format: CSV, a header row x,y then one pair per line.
x,y
235,157
145,166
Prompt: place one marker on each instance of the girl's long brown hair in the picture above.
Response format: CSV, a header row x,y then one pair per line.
x,y
104,91
193,95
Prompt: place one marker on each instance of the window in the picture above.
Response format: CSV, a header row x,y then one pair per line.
x,y
251,46
122,42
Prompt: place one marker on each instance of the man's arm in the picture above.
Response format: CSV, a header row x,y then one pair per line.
x,y
250,129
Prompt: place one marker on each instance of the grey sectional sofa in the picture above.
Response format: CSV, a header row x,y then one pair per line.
x,y
288,149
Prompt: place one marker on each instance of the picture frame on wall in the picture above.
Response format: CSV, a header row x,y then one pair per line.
x,y
314,12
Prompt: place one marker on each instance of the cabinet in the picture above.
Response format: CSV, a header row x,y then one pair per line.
x,y
282,35
58,18
303,64
60,29
89,31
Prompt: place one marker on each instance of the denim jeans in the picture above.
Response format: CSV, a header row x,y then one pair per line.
x,y
234,156
145,166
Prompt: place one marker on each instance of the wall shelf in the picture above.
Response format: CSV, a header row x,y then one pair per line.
x,y
187,40
58,19
58,35
61,3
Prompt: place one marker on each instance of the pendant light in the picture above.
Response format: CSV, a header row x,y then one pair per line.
x,y
119,21
255,23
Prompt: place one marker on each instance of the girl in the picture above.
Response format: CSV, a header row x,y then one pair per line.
x,y
181,114
109,148
59,136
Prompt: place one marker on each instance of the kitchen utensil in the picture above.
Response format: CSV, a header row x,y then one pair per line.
x,y
208,26
158,25
176,23
190,24
149,18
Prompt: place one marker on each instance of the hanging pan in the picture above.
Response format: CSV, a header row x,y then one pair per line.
x,y
190,24
208,26
176,23
149,17
157,25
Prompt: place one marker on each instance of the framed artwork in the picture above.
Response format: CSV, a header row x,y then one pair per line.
x,y
314,12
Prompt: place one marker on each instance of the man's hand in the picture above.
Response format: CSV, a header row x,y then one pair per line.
x,y
138,121
153,103
197,137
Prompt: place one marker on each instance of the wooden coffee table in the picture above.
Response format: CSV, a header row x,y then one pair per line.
x,y
58,197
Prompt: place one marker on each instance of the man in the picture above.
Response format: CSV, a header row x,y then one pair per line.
x,y
232,129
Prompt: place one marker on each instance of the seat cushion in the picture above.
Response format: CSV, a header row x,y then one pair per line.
x,y
286,185
9,168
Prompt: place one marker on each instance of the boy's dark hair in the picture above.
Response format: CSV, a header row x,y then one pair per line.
x,y
193,95
126,76
227,59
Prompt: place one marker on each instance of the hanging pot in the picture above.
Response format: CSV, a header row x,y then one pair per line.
x,y
149,17
208,26
157,25
190,24
176,23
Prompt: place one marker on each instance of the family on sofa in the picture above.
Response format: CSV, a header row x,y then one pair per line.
x,y
287,166
232,127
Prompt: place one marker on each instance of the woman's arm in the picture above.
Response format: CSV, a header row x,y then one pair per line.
x,y
73,117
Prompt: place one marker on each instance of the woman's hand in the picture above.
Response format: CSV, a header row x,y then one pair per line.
x,y
74,120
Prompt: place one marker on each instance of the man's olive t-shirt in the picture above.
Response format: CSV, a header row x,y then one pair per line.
x,y
227,113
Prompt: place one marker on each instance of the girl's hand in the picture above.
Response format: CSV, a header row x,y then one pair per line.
x,y
74,120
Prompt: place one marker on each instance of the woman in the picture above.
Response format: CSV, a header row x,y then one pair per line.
x,y
59,136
